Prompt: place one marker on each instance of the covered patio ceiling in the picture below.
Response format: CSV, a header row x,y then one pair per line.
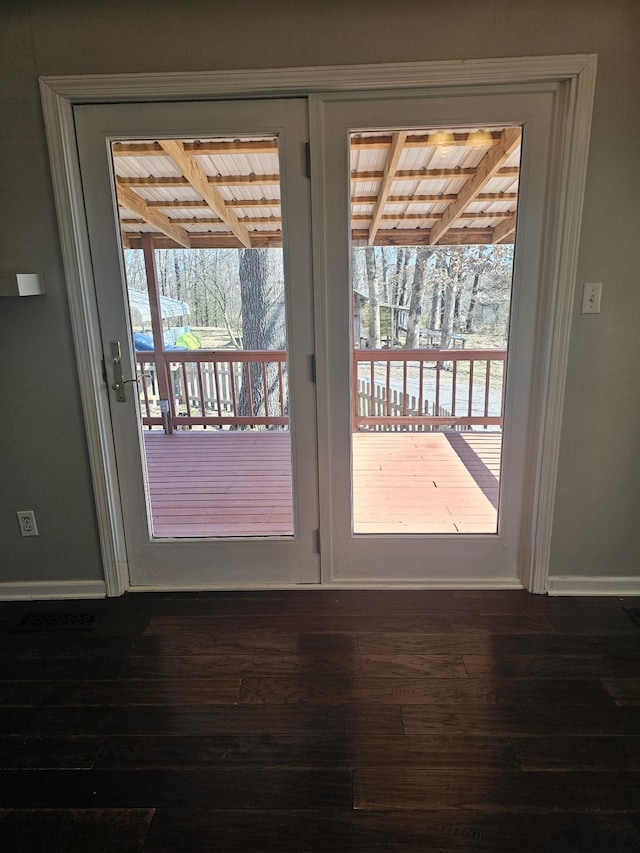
x,y
408,188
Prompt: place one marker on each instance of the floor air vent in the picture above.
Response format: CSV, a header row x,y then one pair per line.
x,y
633,613
58,622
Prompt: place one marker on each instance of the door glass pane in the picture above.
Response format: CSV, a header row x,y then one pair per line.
x,y
433,219
202,242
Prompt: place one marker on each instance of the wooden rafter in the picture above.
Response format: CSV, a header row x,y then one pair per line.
x,y
273,239
188,204
487,168
274,180
414,140
151,149
386,217
199,181
384,190
216,180
504,231
270,146
136,204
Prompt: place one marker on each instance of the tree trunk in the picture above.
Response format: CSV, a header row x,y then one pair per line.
x,y
447,315
472,303
405,276
259,330
385,276
397,278
374,299
417,292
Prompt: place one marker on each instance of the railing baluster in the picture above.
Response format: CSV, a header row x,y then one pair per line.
x,y
420,389
232,383
404,387
281,388
388,388
145,390
470,408
186,388
203,405
249,391
437,403
373,384
216,380
453,388
265,389
486,390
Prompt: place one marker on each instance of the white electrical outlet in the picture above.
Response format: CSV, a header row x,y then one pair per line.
x,y
27,522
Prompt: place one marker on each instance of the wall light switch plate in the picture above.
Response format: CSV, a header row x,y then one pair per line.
x,y
591,296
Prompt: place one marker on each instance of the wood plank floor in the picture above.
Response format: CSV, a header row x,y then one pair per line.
x,y
239,484
323,720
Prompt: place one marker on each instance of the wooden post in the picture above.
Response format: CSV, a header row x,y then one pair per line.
x,y
164,383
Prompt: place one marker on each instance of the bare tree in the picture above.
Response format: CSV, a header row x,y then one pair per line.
x,y
263,328
374,298
423,254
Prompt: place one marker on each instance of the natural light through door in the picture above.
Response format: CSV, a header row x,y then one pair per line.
x,y
433,219
203,259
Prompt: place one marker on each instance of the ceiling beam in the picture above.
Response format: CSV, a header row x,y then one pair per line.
x,y
211,240
133,202
434,174
421,236
273,239
414,140
276,220
236,146
487,168
270,146
390,168
274,180
187,204
216,180
199,181
505,230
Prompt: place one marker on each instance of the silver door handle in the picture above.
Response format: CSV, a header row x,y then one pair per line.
x,y
119,382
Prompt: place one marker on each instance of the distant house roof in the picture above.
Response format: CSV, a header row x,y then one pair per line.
x,y
141,312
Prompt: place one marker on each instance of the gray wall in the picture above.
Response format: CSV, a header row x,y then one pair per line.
x,y
43,455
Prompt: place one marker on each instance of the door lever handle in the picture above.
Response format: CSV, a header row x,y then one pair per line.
x,y
118,385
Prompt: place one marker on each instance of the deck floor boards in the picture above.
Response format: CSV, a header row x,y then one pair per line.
x,y
239,484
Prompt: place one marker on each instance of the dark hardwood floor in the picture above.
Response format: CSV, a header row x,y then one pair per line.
x,y
322,721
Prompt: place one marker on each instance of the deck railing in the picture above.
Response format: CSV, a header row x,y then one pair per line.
x,y
215,388
427,389
392,389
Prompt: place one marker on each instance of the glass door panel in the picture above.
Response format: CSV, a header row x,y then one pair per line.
x,y
206,297
433,215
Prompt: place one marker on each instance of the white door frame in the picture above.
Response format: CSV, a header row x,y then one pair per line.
x,y
575,76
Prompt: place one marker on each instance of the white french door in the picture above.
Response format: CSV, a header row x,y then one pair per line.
x,y
183,552
359,548
322,444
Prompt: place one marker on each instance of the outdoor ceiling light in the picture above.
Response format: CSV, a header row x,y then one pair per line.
x,y
441,138
480,139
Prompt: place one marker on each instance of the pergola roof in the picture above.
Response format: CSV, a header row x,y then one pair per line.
x,y
407,188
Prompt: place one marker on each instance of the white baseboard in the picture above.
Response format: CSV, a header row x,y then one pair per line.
x,y
577,585
42,590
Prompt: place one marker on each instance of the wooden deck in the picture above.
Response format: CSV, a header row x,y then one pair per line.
x,y
239,483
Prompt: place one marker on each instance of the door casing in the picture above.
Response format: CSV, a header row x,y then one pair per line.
x,y
574,76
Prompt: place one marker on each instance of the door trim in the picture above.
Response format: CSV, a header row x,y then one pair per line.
x,y
575,76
